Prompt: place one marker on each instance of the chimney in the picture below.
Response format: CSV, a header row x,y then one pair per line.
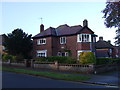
x,y
109,41
100,38
85,23
41,28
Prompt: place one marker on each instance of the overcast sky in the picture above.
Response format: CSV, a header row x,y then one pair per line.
x,y
26,15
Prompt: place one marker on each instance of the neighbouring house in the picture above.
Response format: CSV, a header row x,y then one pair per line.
x,y
64,41
2,48
105,48
117,51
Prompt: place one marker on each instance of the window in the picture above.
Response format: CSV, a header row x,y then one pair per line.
x,y
62,40
41,41
94,39
84,38
41,53
63,54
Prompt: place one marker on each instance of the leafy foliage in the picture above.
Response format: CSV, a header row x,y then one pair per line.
x,y
18,43
87,57
112,14
103,60
6,57
60,59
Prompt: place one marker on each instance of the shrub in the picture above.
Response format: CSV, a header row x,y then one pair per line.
x,y
6,57
40,59
87,57
19,58
60,59
103,60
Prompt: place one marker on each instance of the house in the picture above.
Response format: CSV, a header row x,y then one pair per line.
x,y
105,48
64,40
2,48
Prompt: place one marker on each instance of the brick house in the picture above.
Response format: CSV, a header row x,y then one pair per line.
x,y
64,40
106,49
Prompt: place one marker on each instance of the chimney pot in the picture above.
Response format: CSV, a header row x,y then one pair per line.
x,y
85,23
109,41
100,38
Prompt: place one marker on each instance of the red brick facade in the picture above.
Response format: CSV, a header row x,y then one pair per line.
x,y
53,46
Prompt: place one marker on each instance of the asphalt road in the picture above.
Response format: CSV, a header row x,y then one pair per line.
x,y
14,80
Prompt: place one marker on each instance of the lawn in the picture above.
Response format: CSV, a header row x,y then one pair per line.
x,y
54,75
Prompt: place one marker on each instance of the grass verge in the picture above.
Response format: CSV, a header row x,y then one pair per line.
x,y
53,75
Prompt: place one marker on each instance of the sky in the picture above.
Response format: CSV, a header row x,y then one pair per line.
x,y
27,16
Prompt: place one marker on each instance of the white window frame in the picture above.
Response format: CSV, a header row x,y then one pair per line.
x,y
62,40
41,41
94,39
41,53
81,36
60,53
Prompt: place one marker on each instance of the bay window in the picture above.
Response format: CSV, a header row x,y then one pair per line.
x,y
84,38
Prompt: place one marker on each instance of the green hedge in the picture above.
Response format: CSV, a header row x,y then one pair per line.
x,y
60,59
103,60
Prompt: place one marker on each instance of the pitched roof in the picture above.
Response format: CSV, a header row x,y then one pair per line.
x,y
67,30
48,32
103,44
61,31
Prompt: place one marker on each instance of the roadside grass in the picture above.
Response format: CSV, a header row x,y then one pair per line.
x,y
53,75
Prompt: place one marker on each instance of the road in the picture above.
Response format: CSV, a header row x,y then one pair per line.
x,y
14,80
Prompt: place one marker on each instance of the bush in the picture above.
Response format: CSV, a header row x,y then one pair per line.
x,y
60,59
6,57
19,58
87,57
103,60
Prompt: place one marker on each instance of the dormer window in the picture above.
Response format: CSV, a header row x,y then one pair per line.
x,y
41,41
62,40
84,38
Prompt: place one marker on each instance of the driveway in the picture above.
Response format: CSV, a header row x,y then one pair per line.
x,y
108,77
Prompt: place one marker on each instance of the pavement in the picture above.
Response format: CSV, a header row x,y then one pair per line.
x,y
111,78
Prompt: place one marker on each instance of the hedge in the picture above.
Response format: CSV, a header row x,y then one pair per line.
x,y
103,60
60,59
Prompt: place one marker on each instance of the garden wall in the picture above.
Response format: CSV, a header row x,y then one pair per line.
x,y
88,68
66,67
21,64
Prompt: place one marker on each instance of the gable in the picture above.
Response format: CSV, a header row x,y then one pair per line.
x,y
85,30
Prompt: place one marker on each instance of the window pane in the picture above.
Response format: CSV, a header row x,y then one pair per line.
x,y
63,54
87,38
82,38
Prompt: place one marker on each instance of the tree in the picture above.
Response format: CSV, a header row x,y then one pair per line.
x,y
18,43
112,14
112,18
